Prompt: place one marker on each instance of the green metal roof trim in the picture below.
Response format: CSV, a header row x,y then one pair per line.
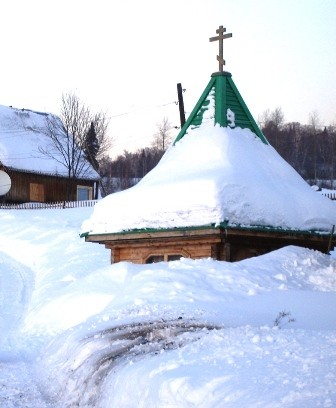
x,y
142,230
223,225
279,230
227,98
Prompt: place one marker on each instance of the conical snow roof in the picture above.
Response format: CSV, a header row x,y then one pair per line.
x,y
216,176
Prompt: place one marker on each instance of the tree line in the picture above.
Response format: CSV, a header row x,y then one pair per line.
x,y
128,168
310,149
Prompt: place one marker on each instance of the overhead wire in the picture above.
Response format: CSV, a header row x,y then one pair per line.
x,y
141,108
6,133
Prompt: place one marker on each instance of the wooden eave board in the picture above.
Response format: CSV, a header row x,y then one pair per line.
x,y
210,234
129,236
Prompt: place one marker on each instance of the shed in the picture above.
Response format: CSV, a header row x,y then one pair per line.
x,y
36,177
220,191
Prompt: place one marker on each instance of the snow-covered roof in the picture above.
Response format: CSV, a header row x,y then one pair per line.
x,y
216,175
216,172
23,133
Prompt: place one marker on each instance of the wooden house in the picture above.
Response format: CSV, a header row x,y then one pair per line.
x,y
35,176
229,240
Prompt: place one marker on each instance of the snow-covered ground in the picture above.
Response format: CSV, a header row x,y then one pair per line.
x,y
77,331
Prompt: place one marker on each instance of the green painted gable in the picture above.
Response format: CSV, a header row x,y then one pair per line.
x,y
222,96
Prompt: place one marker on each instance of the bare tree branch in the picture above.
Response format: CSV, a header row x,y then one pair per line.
x,y
162,137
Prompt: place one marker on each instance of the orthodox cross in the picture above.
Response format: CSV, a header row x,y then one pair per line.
x,y
220,37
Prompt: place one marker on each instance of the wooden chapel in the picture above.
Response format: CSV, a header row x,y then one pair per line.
x,y
222,241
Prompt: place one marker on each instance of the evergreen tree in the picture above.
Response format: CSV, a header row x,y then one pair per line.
x,y
92,146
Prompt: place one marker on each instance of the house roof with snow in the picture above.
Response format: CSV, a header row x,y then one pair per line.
x,y
220,171
23,134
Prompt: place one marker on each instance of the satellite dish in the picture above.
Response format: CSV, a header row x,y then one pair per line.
x,y
5,183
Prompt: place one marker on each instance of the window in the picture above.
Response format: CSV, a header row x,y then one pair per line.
x,y
84,193
163,258
154,259
174,257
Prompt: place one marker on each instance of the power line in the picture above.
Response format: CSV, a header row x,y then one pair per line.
x,y
143,108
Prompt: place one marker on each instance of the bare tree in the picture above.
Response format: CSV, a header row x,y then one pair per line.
x,y
105,142
314,124
277,117
65,145
78,119
272,123
162,137
69,137
332,137
264,118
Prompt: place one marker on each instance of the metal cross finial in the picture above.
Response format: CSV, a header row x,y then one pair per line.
x,y
221,36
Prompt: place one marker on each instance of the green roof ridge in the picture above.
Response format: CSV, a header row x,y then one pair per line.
x,y
230,109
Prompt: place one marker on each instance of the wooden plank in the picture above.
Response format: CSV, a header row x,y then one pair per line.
x,y
125,236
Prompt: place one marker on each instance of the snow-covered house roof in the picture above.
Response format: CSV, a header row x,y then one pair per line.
x,y
23,133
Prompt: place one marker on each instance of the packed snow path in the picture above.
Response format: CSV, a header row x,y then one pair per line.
x,y
135,365
102,354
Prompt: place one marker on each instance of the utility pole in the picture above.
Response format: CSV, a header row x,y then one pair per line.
x,y
181,104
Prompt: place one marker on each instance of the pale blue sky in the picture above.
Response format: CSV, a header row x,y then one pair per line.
x,y
127,57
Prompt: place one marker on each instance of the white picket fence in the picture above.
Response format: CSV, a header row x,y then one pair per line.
x,y
39,206
76,204
332,196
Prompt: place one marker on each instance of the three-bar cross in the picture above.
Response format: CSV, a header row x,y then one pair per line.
x,y
221,36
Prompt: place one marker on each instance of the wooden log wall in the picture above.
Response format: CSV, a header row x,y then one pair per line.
x,y
41,188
